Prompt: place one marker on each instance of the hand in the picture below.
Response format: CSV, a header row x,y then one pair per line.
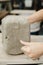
x,y
32,49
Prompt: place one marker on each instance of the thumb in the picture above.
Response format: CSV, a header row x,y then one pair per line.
x,y
25,43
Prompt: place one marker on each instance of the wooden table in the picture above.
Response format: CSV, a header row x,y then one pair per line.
x,y
7,2
19,59
3,14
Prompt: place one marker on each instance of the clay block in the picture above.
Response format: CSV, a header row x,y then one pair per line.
x,y
14,29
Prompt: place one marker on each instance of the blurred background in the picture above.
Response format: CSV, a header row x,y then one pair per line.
x,y
21,4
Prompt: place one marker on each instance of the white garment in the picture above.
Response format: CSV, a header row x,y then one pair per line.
x,y
35,27
28,3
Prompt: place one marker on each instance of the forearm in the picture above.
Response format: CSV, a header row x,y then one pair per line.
x,y
38,16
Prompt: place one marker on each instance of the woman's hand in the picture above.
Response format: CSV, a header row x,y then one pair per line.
x,y
32,49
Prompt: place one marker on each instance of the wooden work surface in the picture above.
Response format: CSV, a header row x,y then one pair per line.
x,y
19,59
3,13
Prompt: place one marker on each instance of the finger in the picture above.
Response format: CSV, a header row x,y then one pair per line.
x,y
26,49
25,43
33,56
